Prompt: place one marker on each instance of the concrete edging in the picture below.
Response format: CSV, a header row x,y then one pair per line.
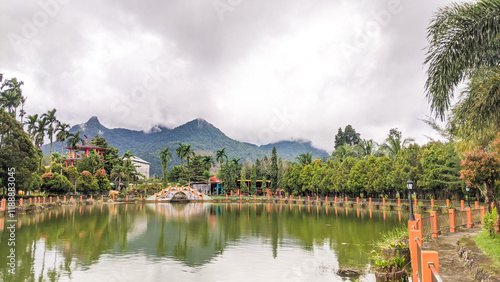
x,y
479,274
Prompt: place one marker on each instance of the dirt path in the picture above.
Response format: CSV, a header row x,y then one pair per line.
x,y
451,267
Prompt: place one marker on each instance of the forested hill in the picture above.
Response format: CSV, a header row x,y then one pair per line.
x,y
201,135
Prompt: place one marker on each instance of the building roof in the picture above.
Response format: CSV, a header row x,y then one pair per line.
x,y
139,160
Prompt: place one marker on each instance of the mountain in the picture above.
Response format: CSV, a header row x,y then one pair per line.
x,y
200,134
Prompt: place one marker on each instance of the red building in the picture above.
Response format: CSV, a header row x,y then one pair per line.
x,y
86,148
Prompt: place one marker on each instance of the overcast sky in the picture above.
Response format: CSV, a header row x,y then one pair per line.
x,y
261,71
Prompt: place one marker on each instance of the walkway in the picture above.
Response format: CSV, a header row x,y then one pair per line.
x,y
451,267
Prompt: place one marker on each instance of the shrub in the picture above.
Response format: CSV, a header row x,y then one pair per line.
x,y
489,221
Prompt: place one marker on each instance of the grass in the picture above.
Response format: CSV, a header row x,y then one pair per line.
x,y
393,237
490,245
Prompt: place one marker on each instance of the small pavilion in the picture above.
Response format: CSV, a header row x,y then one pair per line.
x,y
87,147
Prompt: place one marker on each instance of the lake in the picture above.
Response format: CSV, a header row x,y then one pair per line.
x,y
195,242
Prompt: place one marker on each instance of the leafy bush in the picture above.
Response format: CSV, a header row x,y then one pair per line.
x,y
489,221
395,264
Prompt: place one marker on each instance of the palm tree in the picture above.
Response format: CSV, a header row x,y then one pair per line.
x,y
165,157
73,140
12,96
463,38
51,121
207,162
344,151
367,148
236,161
118,172
127,155
62,134
394,143
40,130
31,123
304,158
22,112
220,155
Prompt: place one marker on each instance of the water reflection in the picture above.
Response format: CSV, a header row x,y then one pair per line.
x,y
58,244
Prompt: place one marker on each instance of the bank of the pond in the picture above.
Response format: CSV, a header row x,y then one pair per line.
x,y
422,207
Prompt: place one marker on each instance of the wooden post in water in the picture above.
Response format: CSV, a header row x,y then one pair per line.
x,y
81,198
383,201
447,202
335,199
476,205
50,200
21,202
370,200
399,202
299,198
308,198
357,200
326,199
44,200
346,200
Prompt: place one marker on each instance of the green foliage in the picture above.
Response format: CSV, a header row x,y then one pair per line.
x,y
347,137
103,183
274,170
16,151
489,221
253,182
54,183
490,244
90,163
394,264
86,183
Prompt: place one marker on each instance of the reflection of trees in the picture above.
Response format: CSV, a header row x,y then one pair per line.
x,y
80,238
78,235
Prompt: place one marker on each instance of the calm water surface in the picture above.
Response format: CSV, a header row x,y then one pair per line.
x,y
195,242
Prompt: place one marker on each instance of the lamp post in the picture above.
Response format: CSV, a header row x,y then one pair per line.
x,y
409,184
467,188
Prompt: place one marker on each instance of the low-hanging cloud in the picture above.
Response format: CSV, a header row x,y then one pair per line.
x,y
140,64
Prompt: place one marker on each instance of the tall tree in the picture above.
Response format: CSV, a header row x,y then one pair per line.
x,y
220,155
395,143
74,139
12,95
462,38
16,151
253,180
41,127
207,161
339,138
32,126
274,170
304,158
166,157
62,130
52,122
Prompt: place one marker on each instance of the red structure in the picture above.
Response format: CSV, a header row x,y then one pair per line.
x,y
86,148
